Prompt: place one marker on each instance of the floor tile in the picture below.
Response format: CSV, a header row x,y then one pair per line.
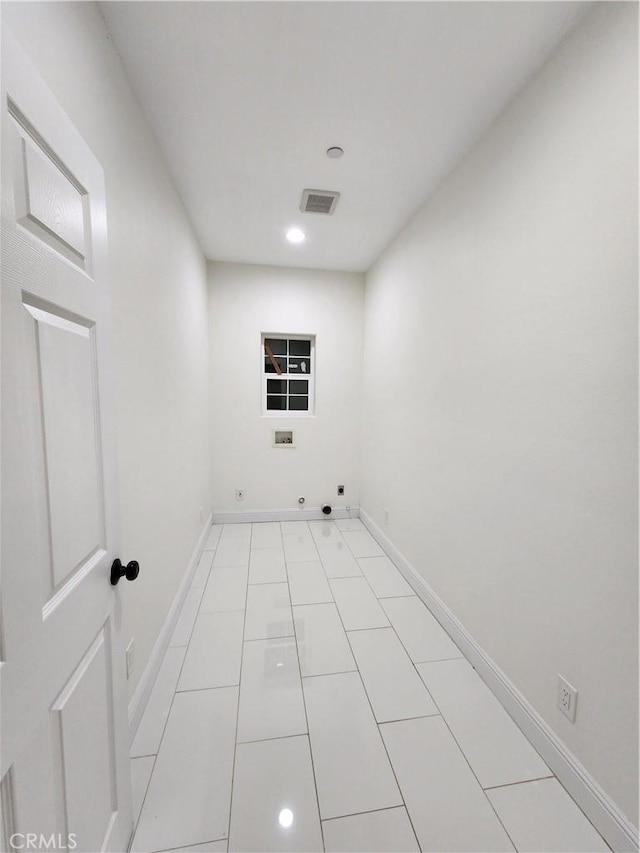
x,y
289,527
300,549
338,561
362,544
274,798
357,605
421,634
384,578
324,531
447,806
214,653
225,590
271,703
266,565
268,612
494,746
207,847
323,647
149,733
266,534
349,524
308,583
140,774
541,817
241,530
353,773
189,795
232,552
187,617
202,572
394,688
213,537
386,831
182,753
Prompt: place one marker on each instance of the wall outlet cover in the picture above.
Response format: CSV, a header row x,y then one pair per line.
x,y
567,698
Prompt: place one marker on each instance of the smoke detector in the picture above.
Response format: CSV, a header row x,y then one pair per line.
x,y
319,201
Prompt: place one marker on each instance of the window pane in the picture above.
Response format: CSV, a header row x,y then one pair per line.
x,y
277,386
298,386
269,368
277,346
299,365
274,402
299,348
299,404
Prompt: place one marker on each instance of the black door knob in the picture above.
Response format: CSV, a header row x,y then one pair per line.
x,y
130,571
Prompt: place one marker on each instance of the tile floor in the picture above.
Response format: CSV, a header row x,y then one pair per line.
x,y
310,701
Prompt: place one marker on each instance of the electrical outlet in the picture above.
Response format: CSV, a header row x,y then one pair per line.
x,y
341,490
239,494
567,698
131,656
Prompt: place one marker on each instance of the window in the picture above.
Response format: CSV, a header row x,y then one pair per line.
x,y
288,374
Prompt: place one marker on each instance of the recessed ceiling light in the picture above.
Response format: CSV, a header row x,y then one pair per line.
x,y
334,152
285,817
295,235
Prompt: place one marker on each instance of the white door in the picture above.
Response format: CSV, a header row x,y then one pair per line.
x,y
64,762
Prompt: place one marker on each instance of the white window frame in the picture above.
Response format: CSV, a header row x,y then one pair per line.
x,y
310,377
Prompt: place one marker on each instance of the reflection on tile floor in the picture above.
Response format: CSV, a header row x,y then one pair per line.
x,y
310,701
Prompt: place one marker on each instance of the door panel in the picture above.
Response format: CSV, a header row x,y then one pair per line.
x,y
64,761
66,362
37,811
50,202
85,733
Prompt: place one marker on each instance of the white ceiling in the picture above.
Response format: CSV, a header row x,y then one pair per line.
x,y
245,98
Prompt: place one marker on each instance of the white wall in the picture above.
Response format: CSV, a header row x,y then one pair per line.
x,y
501,434
245,301
158,281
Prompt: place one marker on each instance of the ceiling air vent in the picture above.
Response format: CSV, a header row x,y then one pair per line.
x,y
319,201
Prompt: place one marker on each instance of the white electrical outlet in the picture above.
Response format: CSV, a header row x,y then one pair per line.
x,y
239,494
131,656
567,698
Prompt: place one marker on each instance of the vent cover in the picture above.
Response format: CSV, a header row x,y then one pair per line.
x,y
319,201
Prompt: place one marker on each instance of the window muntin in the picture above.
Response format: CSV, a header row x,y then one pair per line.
x,y
288,374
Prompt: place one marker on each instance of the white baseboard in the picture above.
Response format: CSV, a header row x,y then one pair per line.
x,y
610,822
143,690
236,516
